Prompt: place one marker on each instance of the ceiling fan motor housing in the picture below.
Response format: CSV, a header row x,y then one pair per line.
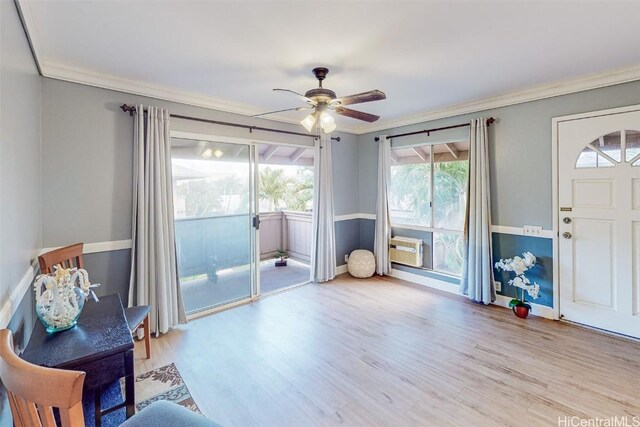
x,y
320,94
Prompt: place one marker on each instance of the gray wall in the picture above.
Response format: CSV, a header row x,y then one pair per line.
x,y
85,131
520,156
20,163
520,151
20,154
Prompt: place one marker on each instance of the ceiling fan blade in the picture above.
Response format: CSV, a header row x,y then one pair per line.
x,y
297,95
310,107
372,95
357,114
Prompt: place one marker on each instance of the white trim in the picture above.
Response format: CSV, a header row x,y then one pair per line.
x,y
234,140
502,229
92,78
92,248
348,217
11,304
501,300
558,88
425,281
555,218
30,29
424,228
341,269
519,231
137,87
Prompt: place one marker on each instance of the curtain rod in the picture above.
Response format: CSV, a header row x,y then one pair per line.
x,y
131,109
428,131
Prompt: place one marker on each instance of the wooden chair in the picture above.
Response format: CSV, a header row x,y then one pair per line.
x,y
34,391
71,256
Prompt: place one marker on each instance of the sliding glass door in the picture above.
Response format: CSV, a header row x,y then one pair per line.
x,y
214,202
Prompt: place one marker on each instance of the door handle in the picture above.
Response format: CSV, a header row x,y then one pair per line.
x,y
256,222
566,235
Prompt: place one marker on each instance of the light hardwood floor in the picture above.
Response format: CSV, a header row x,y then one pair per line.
x,y
384,352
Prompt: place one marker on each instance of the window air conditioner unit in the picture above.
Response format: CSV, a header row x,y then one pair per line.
x,y
405,250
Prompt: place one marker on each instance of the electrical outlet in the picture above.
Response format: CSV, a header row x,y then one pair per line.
x,y
497,285
532,230
346,257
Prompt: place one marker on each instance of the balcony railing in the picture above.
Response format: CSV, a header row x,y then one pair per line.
x,y
209,244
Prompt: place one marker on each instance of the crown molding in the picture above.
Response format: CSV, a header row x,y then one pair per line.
x,y
84,76
562,87
87,77
30,31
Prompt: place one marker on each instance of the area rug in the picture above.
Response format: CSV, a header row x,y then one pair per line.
x,y
164,383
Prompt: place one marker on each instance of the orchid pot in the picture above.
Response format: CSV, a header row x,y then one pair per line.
x,y
519,265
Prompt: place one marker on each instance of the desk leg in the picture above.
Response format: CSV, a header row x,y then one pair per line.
x,y
97,412
129,384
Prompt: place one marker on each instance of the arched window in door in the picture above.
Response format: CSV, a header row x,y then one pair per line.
x,y
610,149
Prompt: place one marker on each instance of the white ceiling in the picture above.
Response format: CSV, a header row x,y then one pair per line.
x,y
425,55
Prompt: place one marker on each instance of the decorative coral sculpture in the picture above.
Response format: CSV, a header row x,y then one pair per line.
x,y
60,297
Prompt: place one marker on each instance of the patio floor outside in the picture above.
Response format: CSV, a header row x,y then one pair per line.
x,y
233,284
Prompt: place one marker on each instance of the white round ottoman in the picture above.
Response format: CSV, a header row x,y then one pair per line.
x,y
361,264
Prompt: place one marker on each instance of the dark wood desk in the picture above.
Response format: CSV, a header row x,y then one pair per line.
x,y
100,345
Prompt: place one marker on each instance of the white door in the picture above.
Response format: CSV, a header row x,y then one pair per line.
x,y
599,221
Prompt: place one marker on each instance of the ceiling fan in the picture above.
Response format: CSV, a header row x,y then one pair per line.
x,y
324,101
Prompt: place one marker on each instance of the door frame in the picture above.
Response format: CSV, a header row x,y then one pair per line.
x,y
255,238
555,189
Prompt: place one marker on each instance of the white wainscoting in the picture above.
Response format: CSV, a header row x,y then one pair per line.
x,y
11,305
501,300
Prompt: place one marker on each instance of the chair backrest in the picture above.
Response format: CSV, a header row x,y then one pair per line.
x,y
66,257
34,391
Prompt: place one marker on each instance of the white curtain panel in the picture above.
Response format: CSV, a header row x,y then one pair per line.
x,y
383,222
477,272
154,277
323,240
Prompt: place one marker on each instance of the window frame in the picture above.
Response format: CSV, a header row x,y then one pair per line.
x,y
430,229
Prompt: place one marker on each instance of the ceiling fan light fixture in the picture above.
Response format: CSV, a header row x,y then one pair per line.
x,y
308,122
206,153
327,119
329,128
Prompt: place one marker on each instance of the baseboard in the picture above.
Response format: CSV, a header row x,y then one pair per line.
x,y
425,281
501,300
11,304
341,269
536,309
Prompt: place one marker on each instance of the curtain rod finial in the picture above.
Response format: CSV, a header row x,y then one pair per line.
x,y
128,109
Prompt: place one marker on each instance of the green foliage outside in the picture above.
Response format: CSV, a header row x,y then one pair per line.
x,y
286,192
410,199
204,197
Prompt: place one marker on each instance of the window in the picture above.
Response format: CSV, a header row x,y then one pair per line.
x,y
607,151
428,192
